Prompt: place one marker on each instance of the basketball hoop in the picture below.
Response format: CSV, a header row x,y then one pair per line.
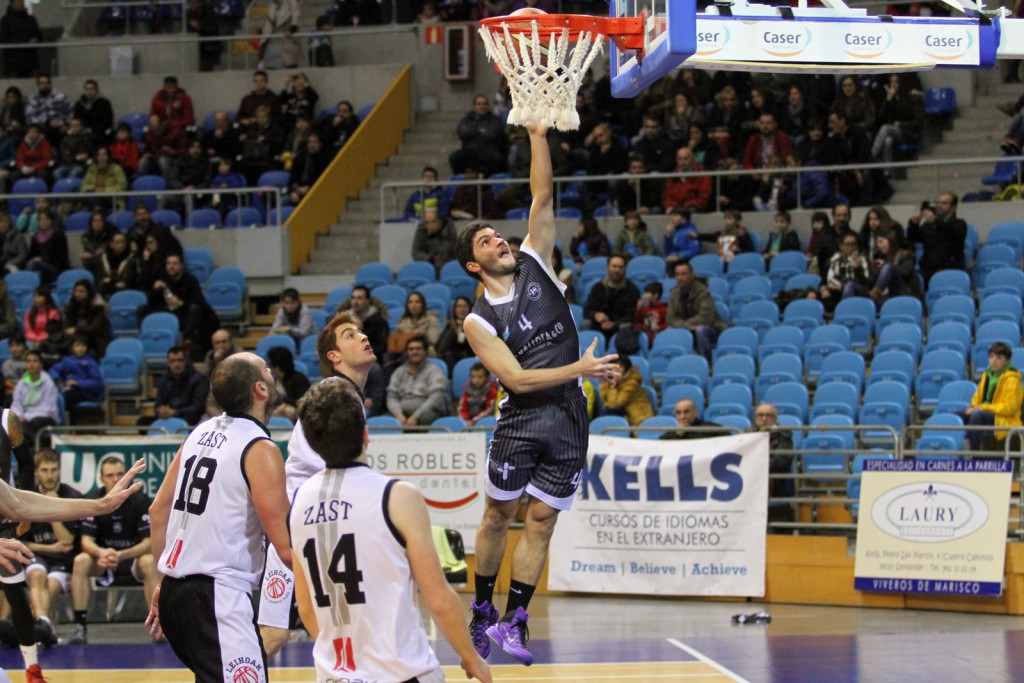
x,y
543,79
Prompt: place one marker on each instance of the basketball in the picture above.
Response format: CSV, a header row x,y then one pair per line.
x,y
245,674
527,10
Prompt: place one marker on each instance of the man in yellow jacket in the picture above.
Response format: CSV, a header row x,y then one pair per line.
x,y
997,400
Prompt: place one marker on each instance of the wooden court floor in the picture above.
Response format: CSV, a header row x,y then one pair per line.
x,y
603,639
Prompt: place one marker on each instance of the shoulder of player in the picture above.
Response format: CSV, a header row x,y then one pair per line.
x,y
66,491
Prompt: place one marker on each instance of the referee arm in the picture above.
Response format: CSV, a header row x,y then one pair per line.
x,y
494,354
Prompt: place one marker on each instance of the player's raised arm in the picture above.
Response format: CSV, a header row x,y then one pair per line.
x,y
494,354
542,212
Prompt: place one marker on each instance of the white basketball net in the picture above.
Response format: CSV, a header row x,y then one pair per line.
x,y
543,85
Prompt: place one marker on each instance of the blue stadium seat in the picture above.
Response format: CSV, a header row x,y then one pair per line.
x,y
885,403
279,423
844,366
945,283
1010,233
954,397
78,221
718,286
892,366
243,217
816,445
392,296
124,311
789,398
1003,281
225,292
737,422
203,219
335,297
938,368
66,282
900,309
29,188
942,443
519,214
749,289
415,273
707,265
781,339
857,315
158,333
667,347
440,364
999,307
733,369
785,265
835,398
955,308
901,337
460,375
1004,173
383,424
587,337
824,340
644,269
676,393
735,340
199,262
374,274
122,220
775,369
803,281
460,282
20,286
438,296
807,314
610,425
264,345
745,265
691,370
940,102
655,426
167,217
447,423
168,425
990,258
761,316
137,121
730,399
274,179
122,366
147,183
949,336
66,186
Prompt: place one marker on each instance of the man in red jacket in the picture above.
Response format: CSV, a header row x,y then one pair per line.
x,y
693,192
173,105
768,140
34,154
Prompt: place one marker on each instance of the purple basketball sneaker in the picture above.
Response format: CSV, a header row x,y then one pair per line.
x,y
484,617
511,633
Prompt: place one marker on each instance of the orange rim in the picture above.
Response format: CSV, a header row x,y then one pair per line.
x,y
627,32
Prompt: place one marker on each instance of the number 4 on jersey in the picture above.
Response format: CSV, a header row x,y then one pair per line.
x,y
350,577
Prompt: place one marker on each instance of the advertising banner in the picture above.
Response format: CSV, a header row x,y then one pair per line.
x,y
934,526
447,468
666,518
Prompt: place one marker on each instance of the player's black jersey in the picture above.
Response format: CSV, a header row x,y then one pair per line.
x,y
42,532
534,321
124,527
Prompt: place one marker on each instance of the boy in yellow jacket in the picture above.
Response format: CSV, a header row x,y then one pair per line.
x,y
997,400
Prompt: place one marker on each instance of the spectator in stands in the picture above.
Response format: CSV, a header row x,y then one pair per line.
x,y
261,143
783,238
48,249
772,187
201,19
117,267
50,109
429,195
18,26
307,167
35,398
848,274
8,315
291,384
656,148
435,238
281,17
892,270
473,201
766,419
17,365
149,264
680,242
605,156
736,190
336,130
686,419
76,149
588,241
145,226
372,314
52,543
732,239
691,307
261,96
226,180
797,113
626,396
900,118
418,389
815,145
297,99
479,394
294,318
124,150
12,109
942,234
85,315
295,141
692,192
181,392
876,221
680,117
830,237
56,346
612,302
191,171
705,151
115,547
726,119
849,145
652,313
173,106
95,112
633,239
416,321
767,142
636,194
222,347
14,250
95,239
222,142
482,135
78,376
854,105
452,345
164,145
997,400
10,140
813,186
178,292
321,48
35,155
428,14
820,229
28,219
104,176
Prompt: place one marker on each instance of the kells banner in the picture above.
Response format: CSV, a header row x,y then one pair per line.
x,y
933,526
666,518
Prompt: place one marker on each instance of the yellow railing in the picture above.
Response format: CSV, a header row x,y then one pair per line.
x,y
375,140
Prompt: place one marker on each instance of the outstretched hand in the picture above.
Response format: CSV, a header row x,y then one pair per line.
x,y
540,129
604,368
121,491
13,554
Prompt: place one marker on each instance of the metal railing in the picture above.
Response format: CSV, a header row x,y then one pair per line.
x,y
393,194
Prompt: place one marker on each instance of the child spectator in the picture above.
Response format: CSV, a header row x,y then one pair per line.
x,y
226,179
680,243
85,315
321,49
452,345
626,396
125,150
429,196
633,239
652,316
783,238
56,345
35,156
43,309
35,398
821,231
732,239
28,220
478,395
14,367
78,375
291,383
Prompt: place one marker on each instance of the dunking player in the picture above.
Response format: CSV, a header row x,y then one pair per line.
x,y
362,546
523,331
224,487
343,347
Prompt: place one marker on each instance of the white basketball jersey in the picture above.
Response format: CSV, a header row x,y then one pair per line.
x,y
359,579
213,528
302,463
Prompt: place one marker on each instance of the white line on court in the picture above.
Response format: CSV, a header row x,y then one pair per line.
x,y
707,660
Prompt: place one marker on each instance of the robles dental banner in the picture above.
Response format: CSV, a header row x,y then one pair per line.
x,y
666,518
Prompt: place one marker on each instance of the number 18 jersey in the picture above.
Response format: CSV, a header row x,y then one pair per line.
x,y
213,528
358,577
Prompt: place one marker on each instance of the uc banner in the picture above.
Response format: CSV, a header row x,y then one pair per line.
x,y
666,518
933,526
80,458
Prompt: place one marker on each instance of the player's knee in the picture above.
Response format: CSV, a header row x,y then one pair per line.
x,y
83,562
146,564
36,577
498,516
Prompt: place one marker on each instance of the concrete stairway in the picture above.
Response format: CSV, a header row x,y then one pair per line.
x,y
977,131
354,240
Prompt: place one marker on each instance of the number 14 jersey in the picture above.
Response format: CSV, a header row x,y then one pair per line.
x,y
213,528
358,577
